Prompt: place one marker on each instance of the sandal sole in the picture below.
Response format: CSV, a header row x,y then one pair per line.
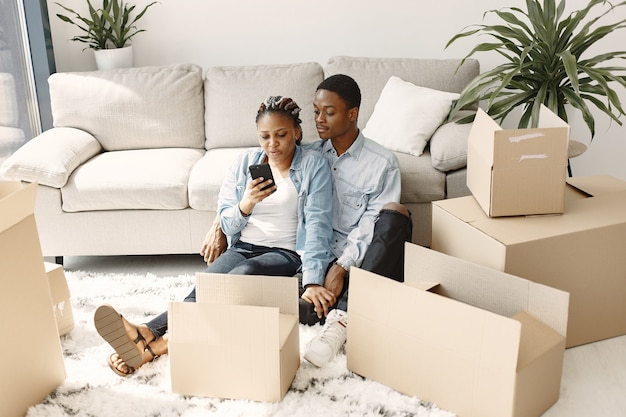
x,y
110,326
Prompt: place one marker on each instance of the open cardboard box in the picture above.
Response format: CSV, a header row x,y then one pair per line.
x,y
480,342
240,340
580,251
518,171
32,356
60,297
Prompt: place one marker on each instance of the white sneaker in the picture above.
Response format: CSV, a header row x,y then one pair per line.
x,y
325,345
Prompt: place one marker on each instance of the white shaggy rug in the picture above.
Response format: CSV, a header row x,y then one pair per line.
x,y
93,390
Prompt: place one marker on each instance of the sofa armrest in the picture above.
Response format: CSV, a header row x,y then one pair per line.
x,y
448,145
51,157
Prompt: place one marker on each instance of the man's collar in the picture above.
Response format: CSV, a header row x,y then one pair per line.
x,y
354,150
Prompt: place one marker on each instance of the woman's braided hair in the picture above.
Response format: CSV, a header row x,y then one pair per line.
x,y
284,105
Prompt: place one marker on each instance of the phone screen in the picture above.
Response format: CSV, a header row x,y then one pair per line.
x,y
262,170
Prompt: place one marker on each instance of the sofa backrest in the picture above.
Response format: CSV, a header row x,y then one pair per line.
x,y
133,108
373,73
233,96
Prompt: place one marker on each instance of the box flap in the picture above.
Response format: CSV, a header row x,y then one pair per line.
x,y
597,184
58,284
480,146
422,285
547,118
537,339
14,205
430,346
244,338
257,290
487,288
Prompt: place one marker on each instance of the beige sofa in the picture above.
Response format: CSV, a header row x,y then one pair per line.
x,y
137,156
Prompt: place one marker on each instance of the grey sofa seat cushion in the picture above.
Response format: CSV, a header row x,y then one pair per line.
x,y
133,108
207,176
134,179
233,96
421,183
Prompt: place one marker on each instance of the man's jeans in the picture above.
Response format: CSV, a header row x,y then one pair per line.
x,y
384,256
241,259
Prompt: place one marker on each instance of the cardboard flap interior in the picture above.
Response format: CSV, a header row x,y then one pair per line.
x,y
596,185
537,338
465,331
252,290
547,118
487,288
221,324
286,323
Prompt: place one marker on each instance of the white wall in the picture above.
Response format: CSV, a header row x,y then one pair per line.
x,y
212,32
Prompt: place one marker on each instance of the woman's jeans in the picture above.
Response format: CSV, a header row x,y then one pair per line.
x,y
241,259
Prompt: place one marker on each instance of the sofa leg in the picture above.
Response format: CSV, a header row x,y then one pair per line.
x,y
58,260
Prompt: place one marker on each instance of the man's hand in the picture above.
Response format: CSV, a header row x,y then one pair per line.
x,y
214,243
320,297
334,279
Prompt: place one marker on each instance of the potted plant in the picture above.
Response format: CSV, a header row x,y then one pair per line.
x,y
107,30
546,63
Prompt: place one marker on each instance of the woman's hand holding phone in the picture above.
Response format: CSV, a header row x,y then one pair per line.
x,y
261,186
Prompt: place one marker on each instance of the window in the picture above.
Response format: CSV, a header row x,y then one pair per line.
x,y
26,61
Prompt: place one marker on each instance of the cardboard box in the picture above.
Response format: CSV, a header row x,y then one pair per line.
x,y
239,340
33,359
580,251
481,343
60,297
518,171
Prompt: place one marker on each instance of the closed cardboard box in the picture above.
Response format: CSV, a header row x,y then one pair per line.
x,y
32,363
60,297
518,171
580,251
480,343
240,340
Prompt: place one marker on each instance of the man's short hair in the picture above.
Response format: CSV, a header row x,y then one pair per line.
x,y
345,87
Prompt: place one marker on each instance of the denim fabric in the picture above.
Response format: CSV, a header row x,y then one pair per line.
x,y
310,175
365,178
241,259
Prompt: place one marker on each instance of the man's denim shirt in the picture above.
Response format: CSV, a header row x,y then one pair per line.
x,y
365,178
311,177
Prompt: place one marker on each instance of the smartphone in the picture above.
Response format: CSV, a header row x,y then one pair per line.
x,y
262,170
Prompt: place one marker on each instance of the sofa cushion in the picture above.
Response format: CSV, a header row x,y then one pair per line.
x,y
133,179
420,182
406,115
448,145
51,157
207,176
133,108
372,74
233,96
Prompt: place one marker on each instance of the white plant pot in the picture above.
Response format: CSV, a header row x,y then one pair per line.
x,y
114,58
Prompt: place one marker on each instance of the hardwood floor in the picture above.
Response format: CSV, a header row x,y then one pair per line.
x,y
594,375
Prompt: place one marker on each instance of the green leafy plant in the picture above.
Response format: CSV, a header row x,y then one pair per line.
x,y
122,26
110,26
545,63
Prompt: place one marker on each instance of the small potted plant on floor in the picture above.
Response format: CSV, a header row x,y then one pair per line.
x,y
108,31
547,62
